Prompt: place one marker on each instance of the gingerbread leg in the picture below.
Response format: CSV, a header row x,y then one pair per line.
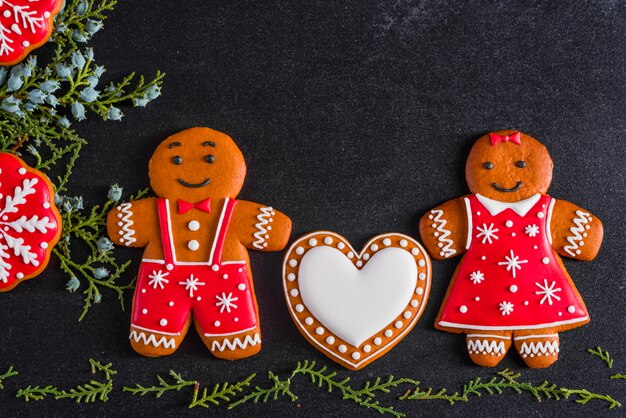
x,y
538,349
235,346
154,344
488,348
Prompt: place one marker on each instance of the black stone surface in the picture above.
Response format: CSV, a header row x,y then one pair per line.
x,y
354,117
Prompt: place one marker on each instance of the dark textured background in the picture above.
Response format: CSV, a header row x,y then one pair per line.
x,y
356,118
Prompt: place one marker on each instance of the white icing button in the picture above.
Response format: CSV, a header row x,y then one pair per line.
x,y
366,257
421,276
319,330
571,309
291,277
398,324
419,291
193,245
341,245
545,260
7,13
225,276
535,247
350,254
22,171
312,242
430,216
300,250
46,14
236,319
294,292
463,309
525,303
293,262
144,311
163,322
378,341
193,225
308,320
513,234
356,355
509,223
46,205
359,263
421,263
414,303
367,348
143,290
374,247
513,288
388,333
403,243
44,245
407,314
342,348
477,299
578,251
169,266
478,213
328,240
539,215
415,251
19,275
387,242
217,323
560,314
171,303
299,307
119,215
199,298
242,286
120,224
330,340
483,258
215,267
240,270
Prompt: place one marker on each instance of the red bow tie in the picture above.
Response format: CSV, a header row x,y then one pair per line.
x,y
203,205
514,138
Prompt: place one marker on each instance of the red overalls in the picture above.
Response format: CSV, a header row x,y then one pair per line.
x,y
218,292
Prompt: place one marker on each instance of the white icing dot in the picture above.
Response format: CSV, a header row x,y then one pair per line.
x,y
299,307
414,303
240,270
356,355
513,288
144,311
46,14
119,215
291,277
478,213
477,299
374,247
387,242
19,275
3,218
312,242
163,322
483,258
199,298
421,263
342,348
587,226
403,243
525,303
512,234
143,290
265,244
434,225
171,303
415,251
463,309
328,240
407,314
440,245
419,291
560,313
236,319
193,245
350,254
540,215
577,251
378,341
341,245
22,171
430,216
366,257
293,292
367,348
535,247
225,276
242,286
44,245
120,223
193,225
421,276
359,263
299,250
571,309
46,205
215,267
7,13
388,333
308,320
217,323
545,260
509,223
330,340
319,330
293,262
169,266
398,324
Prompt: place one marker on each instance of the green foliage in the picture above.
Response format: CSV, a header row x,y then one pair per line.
x,y
37,108
224,392
9,373
162,387
259,394
602,355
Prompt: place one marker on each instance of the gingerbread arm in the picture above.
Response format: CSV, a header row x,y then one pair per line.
x,y
129,224
260,227
444,229
576,233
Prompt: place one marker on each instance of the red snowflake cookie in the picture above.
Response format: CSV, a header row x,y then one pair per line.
x,y
30,224
24,26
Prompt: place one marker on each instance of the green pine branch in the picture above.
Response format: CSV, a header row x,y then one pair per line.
x,y
9,373
259,394
221,393
163,386
602,355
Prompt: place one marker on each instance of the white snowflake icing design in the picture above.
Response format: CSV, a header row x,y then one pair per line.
x,y
477,277
531,230
158,279
191,283
506,308
512,263
20,225
488,233
23,18
225,302
548,292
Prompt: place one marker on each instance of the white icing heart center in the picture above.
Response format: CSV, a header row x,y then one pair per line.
x,y
356,304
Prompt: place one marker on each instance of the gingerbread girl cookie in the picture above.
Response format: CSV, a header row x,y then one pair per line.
x,y
196,237
511,286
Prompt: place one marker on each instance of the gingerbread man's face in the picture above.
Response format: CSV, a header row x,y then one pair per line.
x,y
195,164
508,166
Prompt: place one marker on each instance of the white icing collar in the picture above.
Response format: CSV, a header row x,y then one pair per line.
x,y
521,207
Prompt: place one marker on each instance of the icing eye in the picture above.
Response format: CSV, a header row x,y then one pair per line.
x,y
178,160
209,159
521,164
488,165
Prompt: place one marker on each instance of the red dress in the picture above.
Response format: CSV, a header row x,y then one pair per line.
x,y
510,278
217,291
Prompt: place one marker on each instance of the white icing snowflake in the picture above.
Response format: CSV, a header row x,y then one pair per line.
x,y
531,230
506,308
158,279
487,232
512,263
548,292
477,277
191,283
226,302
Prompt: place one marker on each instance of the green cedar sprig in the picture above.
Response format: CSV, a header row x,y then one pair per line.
x,y
9,373
221,393
162,387
602,355
259,394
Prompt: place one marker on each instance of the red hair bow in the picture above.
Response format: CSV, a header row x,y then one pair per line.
x,y
514,138
203,205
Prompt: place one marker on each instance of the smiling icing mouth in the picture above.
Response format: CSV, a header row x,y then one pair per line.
x,y
504,189
194,185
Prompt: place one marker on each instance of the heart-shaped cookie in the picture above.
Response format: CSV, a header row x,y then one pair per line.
x,y
354,307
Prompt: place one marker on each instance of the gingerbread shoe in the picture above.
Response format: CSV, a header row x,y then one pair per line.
x,y
487,349
537,350
196,237
511,277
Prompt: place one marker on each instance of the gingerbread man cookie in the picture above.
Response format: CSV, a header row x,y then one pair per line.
x,y
196,237
511,286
